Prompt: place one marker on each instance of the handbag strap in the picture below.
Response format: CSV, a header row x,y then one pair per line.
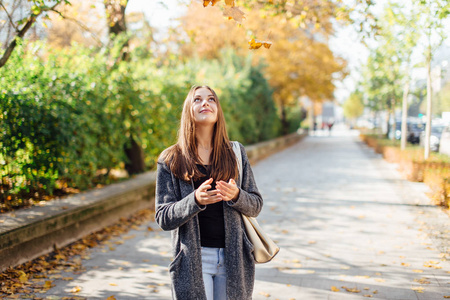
x,y
237,152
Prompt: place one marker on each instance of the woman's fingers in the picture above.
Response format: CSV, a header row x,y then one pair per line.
x,y
204,196
228,190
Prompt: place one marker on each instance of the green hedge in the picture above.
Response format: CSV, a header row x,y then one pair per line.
x,y
66,115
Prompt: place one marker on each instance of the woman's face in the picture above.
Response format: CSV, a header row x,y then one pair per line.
x,y
204,107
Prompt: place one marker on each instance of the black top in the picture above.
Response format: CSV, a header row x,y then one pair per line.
x,y
212,227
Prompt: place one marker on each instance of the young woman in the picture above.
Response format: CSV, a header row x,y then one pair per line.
x,y
197,198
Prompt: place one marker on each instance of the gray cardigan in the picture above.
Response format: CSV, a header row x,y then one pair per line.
x,y
176,210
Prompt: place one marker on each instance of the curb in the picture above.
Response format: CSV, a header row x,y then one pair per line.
x,y
29,233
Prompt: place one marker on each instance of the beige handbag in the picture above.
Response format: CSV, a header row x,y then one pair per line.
x,y
264,248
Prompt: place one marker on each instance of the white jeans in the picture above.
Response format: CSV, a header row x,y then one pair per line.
x,y
214,273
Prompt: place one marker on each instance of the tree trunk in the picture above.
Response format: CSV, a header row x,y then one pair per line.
x,y
388,120
135,156
428,125
115,18
394,123
115,14
404,115
284,121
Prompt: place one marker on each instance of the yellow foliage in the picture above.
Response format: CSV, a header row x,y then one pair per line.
x,y
78,17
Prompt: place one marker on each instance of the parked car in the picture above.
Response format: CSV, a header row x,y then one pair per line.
x,y
444,145
436,133
413,131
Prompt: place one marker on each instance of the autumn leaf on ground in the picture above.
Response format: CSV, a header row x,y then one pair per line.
x,y
265,294
418,289
418,271
406,264
334,289
422,281
23,278
234,13
75,290
351,290
48,285
111,298
368,296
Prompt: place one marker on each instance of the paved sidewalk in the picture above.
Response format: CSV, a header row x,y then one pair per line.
x,y
343,217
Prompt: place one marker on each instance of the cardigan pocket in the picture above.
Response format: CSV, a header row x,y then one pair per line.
x,y
174,265
247,244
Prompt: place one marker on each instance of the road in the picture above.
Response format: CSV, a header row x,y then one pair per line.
x,y
348,225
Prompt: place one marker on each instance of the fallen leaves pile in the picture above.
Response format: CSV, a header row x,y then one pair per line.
x,y
37,276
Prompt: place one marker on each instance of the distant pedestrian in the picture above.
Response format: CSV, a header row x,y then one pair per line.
x,y
197,198
330,126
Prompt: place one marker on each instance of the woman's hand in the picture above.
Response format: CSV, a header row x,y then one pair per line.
x,y
204,197
228,191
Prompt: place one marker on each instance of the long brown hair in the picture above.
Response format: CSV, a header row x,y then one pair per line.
x,y
183,156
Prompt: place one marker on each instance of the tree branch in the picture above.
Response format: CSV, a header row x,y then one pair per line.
x,y
9,17
84,27
21,34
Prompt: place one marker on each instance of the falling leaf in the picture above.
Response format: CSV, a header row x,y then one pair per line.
x,y
234,13
334,289
113,284
207,2
230,3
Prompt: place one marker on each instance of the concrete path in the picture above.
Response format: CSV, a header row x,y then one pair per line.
x,y
348,226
